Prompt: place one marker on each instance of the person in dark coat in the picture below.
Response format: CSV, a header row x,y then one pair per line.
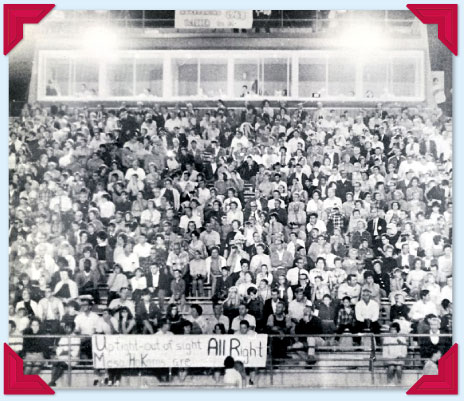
x,y
399,309
248,169
435,341
159,283
223,284
35,350
147,314
309,324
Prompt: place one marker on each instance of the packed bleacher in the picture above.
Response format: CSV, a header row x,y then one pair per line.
x,y
304,221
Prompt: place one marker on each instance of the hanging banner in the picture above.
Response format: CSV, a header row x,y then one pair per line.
x,y
214,19
177,351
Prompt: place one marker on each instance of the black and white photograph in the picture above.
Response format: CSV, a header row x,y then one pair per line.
x,y
230,199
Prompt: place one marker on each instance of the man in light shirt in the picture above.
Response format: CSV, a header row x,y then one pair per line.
x,y
367,314
107,208
143,248
243,315
297,306
210,237
51,311
135,169
423,307
332,201
129,260
86,323
314,222
123,300
350,288
293,274
218,318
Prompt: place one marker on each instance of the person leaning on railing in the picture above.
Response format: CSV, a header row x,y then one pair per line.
x,y
394,351
435,341
35,349
67,352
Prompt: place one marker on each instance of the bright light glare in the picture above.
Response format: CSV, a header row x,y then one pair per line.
x,y
364,38
99,41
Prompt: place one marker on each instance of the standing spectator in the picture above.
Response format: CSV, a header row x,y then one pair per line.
x,y
394,351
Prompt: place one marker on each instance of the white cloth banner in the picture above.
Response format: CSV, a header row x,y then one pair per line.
x,y
177,351
214,19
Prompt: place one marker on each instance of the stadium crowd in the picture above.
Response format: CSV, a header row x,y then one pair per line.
x,y
292,221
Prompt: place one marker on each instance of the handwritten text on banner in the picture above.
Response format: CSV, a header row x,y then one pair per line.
x,y
152,351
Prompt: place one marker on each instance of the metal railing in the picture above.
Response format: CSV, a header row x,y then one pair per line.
x,y
360,352
316,20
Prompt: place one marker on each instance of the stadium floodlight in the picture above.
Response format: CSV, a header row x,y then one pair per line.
x,y
99,41
363,37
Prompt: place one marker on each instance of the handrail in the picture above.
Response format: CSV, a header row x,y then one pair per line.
x,y
280,19
381,335
76,363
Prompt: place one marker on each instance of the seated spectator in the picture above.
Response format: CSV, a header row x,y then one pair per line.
x,y
399,313
159,283
422,307
367,314
223,285
446,315
242,315
198,274
415,279
66,289
31,308
346,318
116,281
164,328
351,289
309,324
319,290
370,285
126,321
178,288
71,309
87,281
326,311
312,326
138,284
123,301
147,314
15,339
107,324
199,322
255,304
435,341
174,320
218,318
297,306
398,285
214,264
381,278
244,285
